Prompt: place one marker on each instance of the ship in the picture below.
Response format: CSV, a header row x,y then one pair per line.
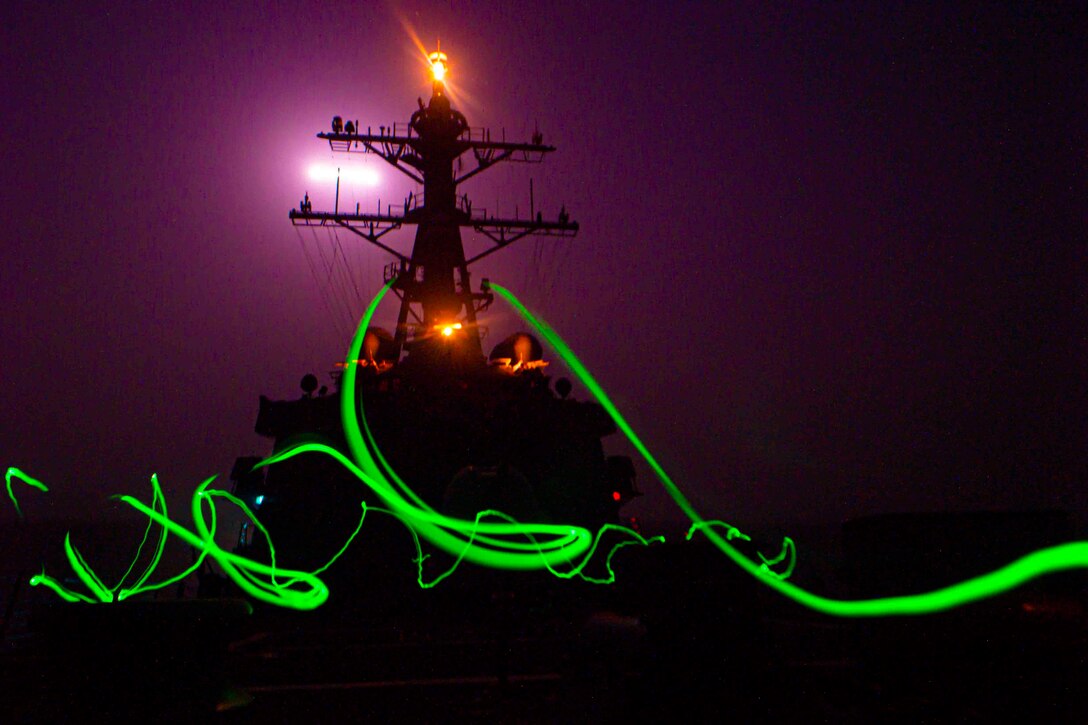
x,y
467,432
678,635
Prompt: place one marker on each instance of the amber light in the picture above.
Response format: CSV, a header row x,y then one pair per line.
x,y
447,330
439,66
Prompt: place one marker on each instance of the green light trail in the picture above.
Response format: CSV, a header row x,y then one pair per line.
x,y
492,539
254,578
504,544
33,482
1056,558
789,549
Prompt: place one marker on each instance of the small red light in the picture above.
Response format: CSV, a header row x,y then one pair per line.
x,y
616,496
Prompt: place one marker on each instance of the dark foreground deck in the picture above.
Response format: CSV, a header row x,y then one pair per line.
x,y
669,641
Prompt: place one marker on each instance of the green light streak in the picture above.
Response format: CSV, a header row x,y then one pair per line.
x,y
503,542
731,532
157,500
253,577
788,549
303,590
1057,558
478,542
33,482
50,583
493,538
84,572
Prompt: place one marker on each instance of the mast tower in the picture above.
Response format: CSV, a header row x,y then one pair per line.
x,y
437,305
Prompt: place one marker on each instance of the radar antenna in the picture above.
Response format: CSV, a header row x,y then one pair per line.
x,y
433,284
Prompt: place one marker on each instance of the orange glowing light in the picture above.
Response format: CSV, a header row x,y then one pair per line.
x,y
448,329
439,65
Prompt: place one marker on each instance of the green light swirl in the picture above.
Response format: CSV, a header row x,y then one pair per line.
x,y
492,539
254,578
260,580
1044,561
789,549
504,544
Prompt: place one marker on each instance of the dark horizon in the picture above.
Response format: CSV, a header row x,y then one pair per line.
x,y
831,261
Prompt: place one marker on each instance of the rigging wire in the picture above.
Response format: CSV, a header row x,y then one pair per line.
x,y
334,280
320,287
328,289
347,270
557,263
344,280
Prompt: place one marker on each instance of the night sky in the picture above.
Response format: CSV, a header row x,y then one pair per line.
x,y
832,258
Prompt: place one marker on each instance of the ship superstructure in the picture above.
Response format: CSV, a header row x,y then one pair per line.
x,y
433,282
465,431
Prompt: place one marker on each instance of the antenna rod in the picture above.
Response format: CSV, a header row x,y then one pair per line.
x,y
336,205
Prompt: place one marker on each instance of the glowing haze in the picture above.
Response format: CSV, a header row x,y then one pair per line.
x,y
326,173
830,259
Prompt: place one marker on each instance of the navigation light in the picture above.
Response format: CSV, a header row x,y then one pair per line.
x,y
439,65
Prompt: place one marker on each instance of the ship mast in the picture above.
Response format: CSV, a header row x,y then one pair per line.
x,y
437,305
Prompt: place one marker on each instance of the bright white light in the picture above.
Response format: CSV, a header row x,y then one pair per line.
x,y
259,500
353,175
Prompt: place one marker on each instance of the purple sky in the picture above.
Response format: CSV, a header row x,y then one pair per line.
x,y
832,259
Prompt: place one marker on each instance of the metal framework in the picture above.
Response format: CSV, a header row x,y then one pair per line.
x,y
435,276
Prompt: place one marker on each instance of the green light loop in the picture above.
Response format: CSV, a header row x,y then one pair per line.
x,y
493,539
303,590
1053,559
457,537
788,550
